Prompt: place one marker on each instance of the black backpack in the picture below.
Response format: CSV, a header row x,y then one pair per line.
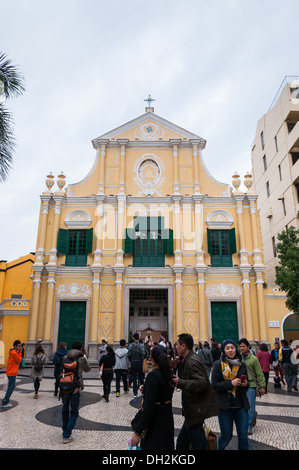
x,y
69,376
38,366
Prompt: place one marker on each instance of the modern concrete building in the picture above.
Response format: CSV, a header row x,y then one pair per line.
x,y
275,166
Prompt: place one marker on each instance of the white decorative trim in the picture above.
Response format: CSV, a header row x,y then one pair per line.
x,y
74,290
148,280
223,290
220,219
77,218
151,185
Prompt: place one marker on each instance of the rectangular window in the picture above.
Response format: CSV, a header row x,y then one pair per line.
x,y
276,144
295,157
297,190
268,188
221,246
76,245
265,162
274,247
284,207
262,140
149,242
279,171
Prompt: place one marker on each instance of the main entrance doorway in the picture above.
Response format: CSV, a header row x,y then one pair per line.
x,y
149,312
224,321
72,320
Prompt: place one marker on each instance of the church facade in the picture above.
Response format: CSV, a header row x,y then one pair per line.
x,y
149,241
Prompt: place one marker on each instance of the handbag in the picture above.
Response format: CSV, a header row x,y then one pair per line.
x,y
173,363
212,438
258,392
145,366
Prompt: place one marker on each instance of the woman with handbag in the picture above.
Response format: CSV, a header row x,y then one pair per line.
x,y
229,381
153,425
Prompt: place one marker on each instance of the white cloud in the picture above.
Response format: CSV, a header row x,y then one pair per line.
x,y
213,68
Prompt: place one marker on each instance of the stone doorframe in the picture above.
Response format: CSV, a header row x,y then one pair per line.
x,y
148,286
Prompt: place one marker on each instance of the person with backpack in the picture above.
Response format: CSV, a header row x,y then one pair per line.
x,y
38,361
206,357
77,361
57,360
136,356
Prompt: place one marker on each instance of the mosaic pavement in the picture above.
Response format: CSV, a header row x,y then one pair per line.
x,y
36,424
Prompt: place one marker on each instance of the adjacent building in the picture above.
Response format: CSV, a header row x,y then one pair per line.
x,y
275,166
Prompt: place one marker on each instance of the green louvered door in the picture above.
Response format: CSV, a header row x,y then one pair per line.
x,y
224,321
72,321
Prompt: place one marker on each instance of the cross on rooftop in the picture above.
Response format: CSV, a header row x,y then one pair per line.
x,y
149,100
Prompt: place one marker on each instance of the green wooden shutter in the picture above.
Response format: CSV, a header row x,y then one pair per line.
x,y
232,241
62,244
129,239
209,241
167,236
89,237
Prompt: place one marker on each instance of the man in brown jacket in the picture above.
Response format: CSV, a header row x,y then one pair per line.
x,y
198,398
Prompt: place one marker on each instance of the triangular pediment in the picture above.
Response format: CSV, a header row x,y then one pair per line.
x,y
148,127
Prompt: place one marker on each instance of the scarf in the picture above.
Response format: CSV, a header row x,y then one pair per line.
x,y
230,373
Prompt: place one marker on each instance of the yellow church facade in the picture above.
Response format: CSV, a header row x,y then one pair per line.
x,y
150,241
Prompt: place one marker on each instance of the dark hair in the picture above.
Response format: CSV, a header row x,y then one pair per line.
x,y
122,342
136,335
110,350
187,339
160,356
77,345
61,345
263,347
16,343
284,342
244,340
39,349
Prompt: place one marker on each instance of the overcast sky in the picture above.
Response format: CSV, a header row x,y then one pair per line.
x,y
213,68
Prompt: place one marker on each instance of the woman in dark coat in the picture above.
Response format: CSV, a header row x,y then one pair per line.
x,y
155,428
106,364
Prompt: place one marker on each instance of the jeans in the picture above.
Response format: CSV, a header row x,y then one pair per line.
x,y
107,377
251,413
137,376
121,374
10,389
290,372
226,421
70,413
193,435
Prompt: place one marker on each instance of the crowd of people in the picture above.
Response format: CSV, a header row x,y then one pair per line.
x,y
217,379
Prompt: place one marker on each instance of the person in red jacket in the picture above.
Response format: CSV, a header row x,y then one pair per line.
x,y
12,369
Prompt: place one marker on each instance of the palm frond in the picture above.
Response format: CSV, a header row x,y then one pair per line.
x,y
13,81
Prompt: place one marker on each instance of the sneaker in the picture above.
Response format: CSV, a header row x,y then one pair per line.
x,y
36,395
126,391
7,405
66,440
117,394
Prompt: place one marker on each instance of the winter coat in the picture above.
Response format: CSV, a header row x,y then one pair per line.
x,y
198,398
14,360
223,387
156,425
37,373
252,363
121,359
75,354
57,361
136,354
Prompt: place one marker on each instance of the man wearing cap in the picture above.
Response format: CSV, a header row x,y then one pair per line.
x,y
12,369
